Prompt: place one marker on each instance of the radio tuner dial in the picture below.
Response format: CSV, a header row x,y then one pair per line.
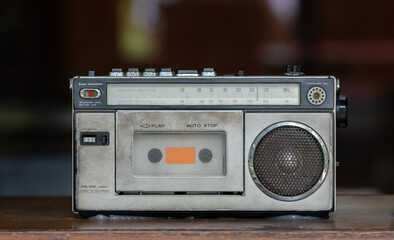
x,y
316,95
341,111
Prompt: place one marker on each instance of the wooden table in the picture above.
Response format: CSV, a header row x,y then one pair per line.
x,y
51,218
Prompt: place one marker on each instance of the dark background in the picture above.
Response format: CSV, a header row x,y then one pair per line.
x,y
44,43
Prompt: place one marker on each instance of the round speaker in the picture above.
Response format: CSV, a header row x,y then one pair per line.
x,y
288,161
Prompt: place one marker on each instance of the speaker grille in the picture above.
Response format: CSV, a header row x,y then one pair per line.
x,y
288,160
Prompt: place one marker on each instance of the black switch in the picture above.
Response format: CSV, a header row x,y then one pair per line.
x,y
104,140
95,138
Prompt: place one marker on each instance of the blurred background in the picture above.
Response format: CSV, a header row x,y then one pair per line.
x,y
44,43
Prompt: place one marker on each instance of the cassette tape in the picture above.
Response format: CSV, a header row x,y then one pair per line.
x,y
194,143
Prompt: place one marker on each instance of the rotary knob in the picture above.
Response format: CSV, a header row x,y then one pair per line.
x,y
294,70
341,111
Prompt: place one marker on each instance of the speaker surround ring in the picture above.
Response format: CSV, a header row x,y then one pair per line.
x,y
289,161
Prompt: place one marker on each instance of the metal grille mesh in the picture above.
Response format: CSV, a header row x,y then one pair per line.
x,y
288,161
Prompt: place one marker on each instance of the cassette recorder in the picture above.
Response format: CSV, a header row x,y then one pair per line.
x,y
194,143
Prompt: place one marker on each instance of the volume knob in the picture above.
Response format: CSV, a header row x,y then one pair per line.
x,y
341,111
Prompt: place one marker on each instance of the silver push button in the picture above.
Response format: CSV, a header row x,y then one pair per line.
x,y
208,72
149,72
166,72
187,73
90,93
133,72
116,72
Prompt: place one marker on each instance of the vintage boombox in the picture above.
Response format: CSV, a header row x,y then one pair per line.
x,y
191,143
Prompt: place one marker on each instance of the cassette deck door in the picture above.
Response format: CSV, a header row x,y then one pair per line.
x,y
166,152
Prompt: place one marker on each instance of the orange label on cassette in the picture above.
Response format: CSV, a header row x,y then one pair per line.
x,y
180,155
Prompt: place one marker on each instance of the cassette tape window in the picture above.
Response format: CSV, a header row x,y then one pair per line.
x,y
184,154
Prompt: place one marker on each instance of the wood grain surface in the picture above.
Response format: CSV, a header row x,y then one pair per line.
x,y
367,217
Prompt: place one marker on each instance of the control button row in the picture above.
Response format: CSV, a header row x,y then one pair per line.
x,y
164,72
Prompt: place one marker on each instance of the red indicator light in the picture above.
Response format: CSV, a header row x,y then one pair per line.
x,y
90,93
